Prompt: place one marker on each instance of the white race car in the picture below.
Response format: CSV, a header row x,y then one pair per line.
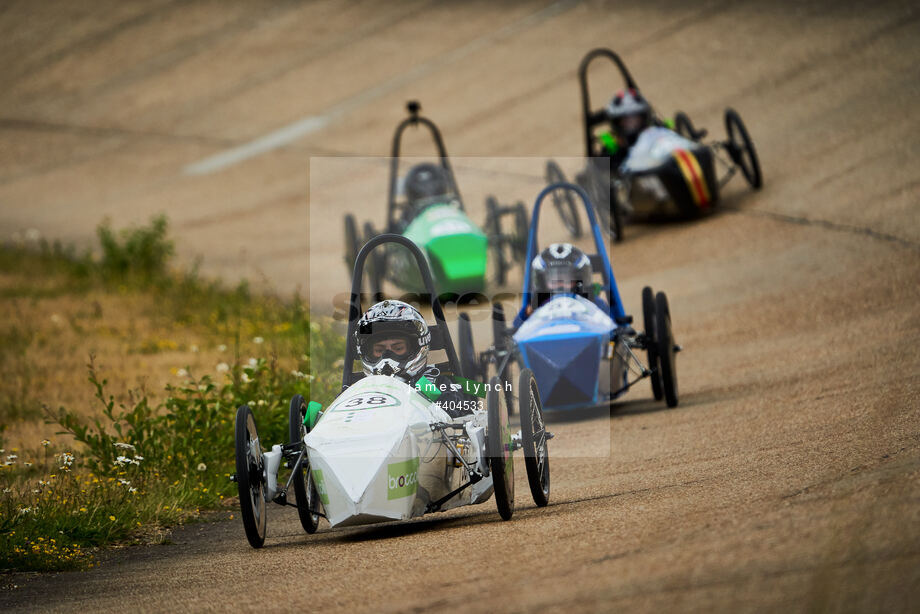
x,y
383,450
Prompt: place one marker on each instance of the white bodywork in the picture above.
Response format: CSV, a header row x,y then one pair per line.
x,y
653,148
375,457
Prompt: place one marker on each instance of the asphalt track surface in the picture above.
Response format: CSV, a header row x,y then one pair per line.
x,y
788,477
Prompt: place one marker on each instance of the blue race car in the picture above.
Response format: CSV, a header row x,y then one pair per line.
x,y
572,330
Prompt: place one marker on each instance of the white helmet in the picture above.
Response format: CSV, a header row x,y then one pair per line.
x,y
392,338
629,114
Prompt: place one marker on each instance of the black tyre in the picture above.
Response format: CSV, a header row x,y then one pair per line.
x,y
501,459
666,354
498,265
469,363
563,200
616,213
651,344
500,341
521,232
351,241
684,127
377,264
533,437
304,489
249,477
741,149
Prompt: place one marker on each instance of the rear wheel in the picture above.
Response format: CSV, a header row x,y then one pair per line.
x,y
351,241
304,489
249,477
469,364
563,200
651,343
499,266
501,461
533,437
684,127
521,231
741,149
377,264
665,339
500,342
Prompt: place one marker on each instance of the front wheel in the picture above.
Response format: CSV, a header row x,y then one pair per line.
x,y
741,149
651,340
501,460
666,354
249,477
304,489
533,438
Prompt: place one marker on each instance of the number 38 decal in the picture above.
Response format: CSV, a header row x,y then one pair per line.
x,y
372,400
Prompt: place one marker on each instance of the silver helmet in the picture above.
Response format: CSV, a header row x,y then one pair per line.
x,y
392,338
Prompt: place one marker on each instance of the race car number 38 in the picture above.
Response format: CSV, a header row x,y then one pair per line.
x,y
371,400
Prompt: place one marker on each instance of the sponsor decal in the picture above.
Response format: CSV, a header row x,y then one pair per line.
x,y
402,479
320,486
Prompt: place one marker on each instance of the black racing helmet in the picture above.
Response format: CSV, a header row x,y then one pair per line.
x,y
425,182
629,115
392,338
561,268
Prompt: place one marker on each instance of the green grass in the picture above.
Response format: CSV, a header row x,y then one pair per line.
x,y
138,461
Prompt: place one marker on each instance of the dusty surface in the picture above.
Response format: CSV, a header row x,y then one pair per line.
x,y
789,477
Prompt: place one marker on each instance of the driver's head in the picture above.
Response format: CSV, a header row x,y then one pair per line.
x,y
561,268
424,183
392,338
629,115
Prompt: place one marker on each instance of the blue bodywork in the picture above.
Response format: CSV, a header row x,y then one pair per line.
x,y
567,341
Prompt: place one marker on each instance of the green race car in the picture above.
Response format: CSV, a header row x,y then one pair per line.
x,y
425,207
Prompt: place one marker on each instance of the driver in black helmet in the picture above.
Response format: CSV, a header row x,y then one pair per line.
x,y
629,114
392,338
562,269
425,184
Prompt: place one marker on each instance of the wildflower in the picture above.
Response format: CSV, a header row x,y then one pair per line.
x,y
45,443
261,402
223,367
11,457
221,348
42,483
132,490
7,491
253,362
245,378
112,518
126,446
27,464
66,458
25,510
138,459
83,509
124,482
182,373
258,340
202,467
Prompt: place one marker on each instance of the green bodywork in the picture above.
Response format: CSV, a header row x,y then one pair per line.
x,y
456,249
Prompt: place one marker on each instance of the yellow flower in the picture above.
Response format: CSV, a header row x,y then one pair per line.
x,y
112,518
82,509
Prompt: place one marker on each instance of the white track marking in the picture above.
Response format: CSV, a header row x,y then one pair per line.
x,y
307,125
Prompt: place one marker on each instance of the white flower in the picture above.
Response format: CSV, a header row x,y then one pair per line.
x,y
223,367
45,443
42,483
7,491
138,459
245,378
25,510
8,463
132,490
27,464
182,373
261,402
121,461
11,457
126,446
221,348
124,482
253,362
258,340
66,458
202,467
